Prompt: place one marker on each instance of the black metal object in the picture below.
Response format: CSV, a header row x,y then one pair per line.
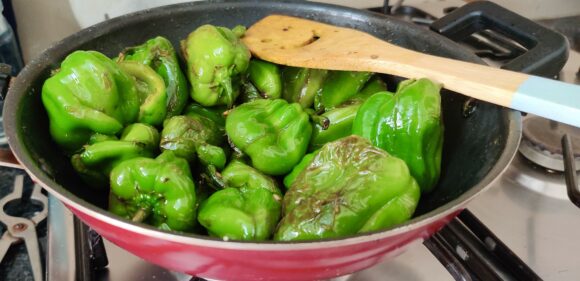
x,y
468,245
91,257
547,50
570,171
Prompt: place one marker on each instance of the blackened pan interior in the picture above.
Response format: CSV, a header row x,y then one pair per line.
x,y
473,146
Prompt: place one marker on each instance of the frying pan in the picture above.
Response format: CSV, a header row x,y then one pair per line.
x,y
479,145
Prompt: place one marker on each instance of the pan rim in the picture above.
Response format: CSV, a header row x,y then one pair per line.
x,y
20,88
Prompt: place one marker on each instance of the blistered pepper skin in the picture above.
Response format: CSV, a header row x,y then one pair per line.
x,y
340,125
89,94
159,54
273,133
96,160
302,84
341,118
216,59
338,87
265,76
196,135
157,191
151,91
407,125
349,187
248,208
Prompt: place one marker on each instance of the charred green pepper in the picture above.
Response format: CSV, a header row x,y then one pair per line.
x,y
159,54
158,191
340,125
349,187
338,87
247,209
375,85
273,133
103,153
151,92
216,59
265,76
341,118
291,177
407,125
302,84
196,135
88,94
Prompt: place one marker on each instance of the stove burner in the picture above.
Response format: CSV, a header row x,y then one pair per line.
x,y
541,142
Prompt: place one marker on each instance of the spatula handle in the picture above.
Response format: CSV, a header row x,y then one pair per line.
x,y
544,97
548,98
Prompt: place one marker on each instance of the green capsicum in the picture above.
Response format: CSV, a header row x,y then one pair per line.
x,y
196,135
265,76
88,94
247,209
151,91
407,125
157,191
375,85
302,84
349,187
291,177
159,54
338,87
273,133
341,118
340,125
249,92
103,153
216,60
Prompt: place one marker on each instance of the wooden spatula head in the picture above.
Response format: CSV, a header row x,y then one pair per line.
x,y
304,43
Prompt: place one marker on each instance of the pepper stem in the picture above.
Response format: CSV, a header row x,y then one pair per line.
x,y
215,177
321,121
139,216
228,95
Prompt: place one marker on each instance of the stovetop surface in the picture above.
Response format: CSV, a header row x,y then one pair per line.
x,y
526,208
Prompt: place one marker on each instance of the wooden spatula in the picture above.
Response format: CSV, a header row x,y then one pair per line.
x,y
304,43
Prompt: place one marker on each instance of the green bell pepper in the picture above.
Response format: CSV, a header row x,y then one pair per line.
x,y
342,117
159,54
273,133
158,191
291,177
375,85
103,153
151,90
265,76
249,92
349,187
247,209
89,94
407,125
338,87
216,59
340,125
196,135
302,84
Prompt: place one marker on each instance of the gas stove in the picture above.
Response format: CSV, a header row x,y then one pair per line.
x,y
527,208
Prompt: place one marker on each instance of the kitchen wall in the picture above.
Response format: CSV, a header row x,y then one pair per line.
x,y
43,22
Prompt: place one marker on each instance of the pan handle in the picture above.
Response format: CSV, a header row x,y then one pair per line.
x,y
547,50
7,159
470,251
570,171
